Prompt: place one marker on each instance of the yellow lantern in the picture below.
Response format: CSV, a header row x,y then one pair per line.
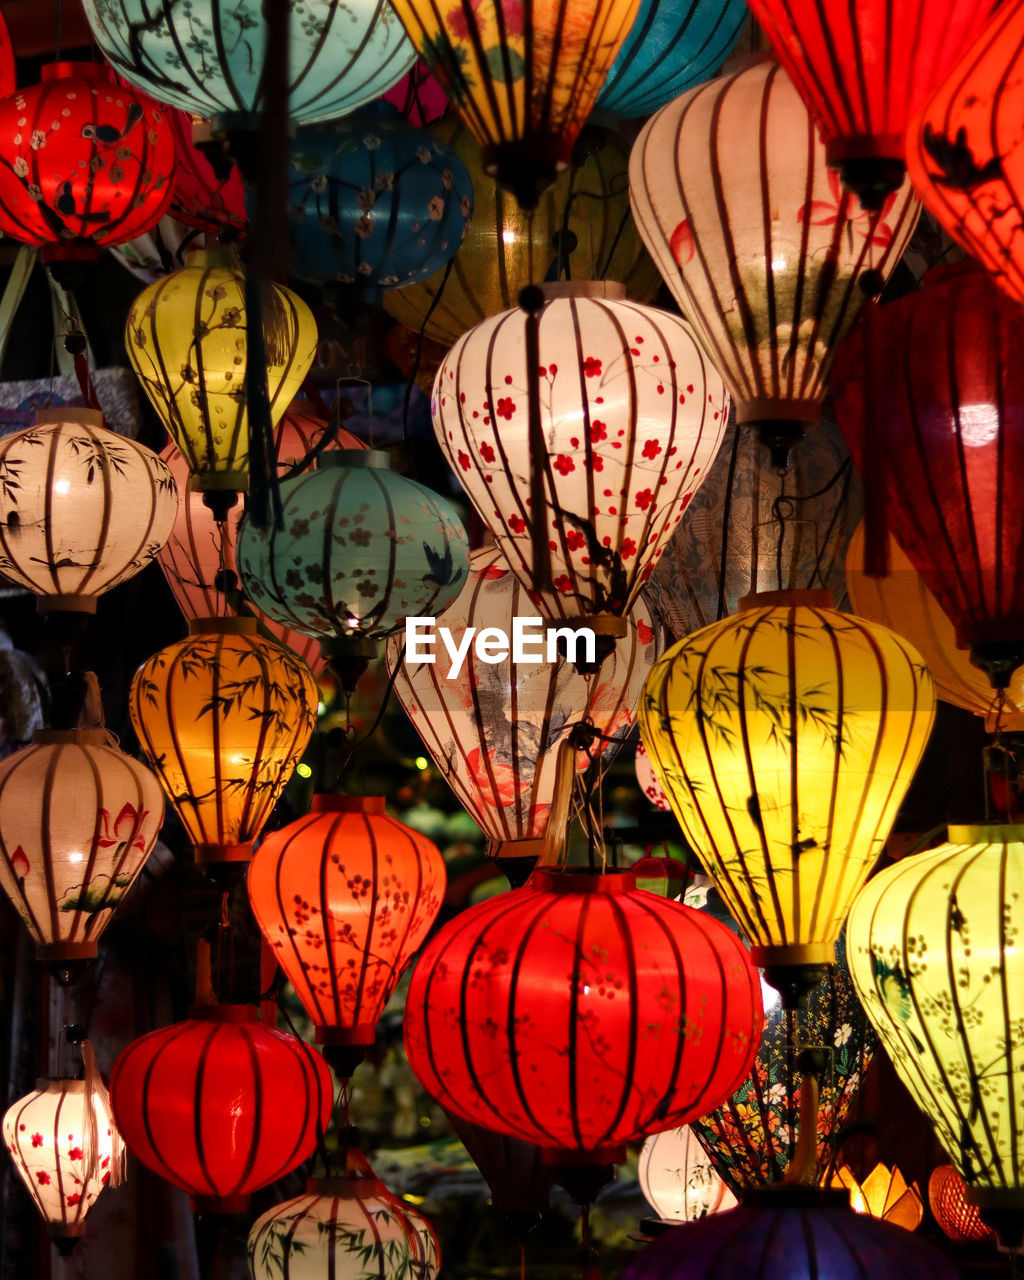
x,y
934,947
785,738
186,339
883,1194
223,716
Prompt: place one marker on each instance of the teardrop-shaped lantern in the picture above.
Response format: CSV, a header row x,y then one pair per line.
x,y
223,717
81,509
678,1180
757,241
785,738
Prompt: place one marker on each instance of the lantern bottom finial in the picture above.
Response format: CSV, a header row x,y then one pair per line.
x,y
999,659
793,982
779,436
527,167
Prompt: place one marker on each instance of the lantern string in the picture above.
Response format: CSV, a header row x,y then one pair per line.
x,y
204,974
321,1143
727,517
58,30
418,350
353,743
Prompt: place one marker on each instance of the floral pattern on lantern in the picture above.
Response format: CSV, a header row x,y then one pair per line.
x,y
678,1180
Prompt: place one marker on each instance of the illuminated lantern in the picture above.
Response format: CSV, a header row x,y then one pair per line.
x,y
580,1012
883,1194
186,340
345,896
678,1180
958,1218
210,62
523,76
581,227
757,241
932,950
220,1105
78,819
864,68
347,1227
87,163
953,471
81,509
672,45
632,415
206,196
785,738
223,717
493,728
648,779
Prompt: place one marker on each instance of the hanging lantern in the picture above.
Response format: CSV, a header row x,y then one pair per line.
x,y
81,509
678,1180
765,259
223,717
207,193
581,228
87,162
345,897
186,339
672,45
785,738
579,1012
631,415
493,728
648,779
210,62
78,819
954,496
931,948
883,1194
220,1105
346,1227
958,1218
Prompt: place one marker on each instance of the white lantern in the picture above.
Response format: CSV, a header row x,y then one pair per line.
x,y
677,1177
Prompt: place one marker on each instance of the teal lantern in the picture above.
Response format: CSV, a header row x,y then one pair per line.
x,y
672,46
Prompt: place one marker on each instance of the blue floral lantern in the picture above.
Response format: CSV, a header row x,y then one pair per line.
x,y
672,46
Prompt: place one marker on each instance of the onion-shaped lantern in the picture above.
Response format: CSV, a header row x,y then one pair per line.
x,y
345,897
81,509
223,717
207,193
349,1227
672,45
678,1180
958,1218
764,258
579,1012
785,738
186,339
210,61
220,1105
78,819
932,947
632,416
87,163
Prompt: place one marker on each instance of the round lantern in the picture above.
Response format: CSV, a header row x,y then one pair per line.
x,y
87,163
932,948
785,738
186,339
580,1012
345,896
220,1105
81,509
672,45
632,415
210,61
207,194
78,819
581,228
223,717
958,1218
678,1180
346,1227
764,258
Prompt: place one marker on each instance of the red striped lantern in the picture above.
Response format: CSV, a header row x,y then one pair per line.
x,y
220,1105
205,195
580,1013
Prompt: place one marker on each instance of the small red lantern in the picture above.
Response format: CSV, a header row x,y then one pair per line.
x,y
207,192
954,1213
220,1105
580,1013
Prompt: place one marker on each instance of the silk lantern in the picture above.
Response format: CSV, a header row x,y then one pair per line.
x,y
223,716
632,415
932,950
81,509
207,193
186,340
579,1012
958,1218
785,738
765,256
220,1105
678,1180
78,819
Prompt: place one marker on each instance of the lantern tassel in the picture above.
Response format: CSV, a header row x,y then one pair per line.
x,y
204,974
97,1100
558,815
804,1162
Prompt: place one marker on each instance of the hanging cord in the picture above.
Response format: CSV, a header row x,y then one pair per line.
x,y
58,30
846,472
418,353
783,509
321,1142
810,1063
726,523
352,743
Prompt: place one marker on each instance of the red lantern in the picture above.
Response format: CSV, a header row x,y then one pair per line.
x,y
207,194
863,68
580,1013
220,1105
954,1213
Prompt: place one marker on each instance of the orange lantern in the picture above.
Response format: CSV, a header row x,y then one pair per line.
x,y
954,1213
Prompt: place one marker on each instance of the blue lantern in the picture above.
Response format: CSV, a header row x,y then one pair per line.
x,y
672,46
